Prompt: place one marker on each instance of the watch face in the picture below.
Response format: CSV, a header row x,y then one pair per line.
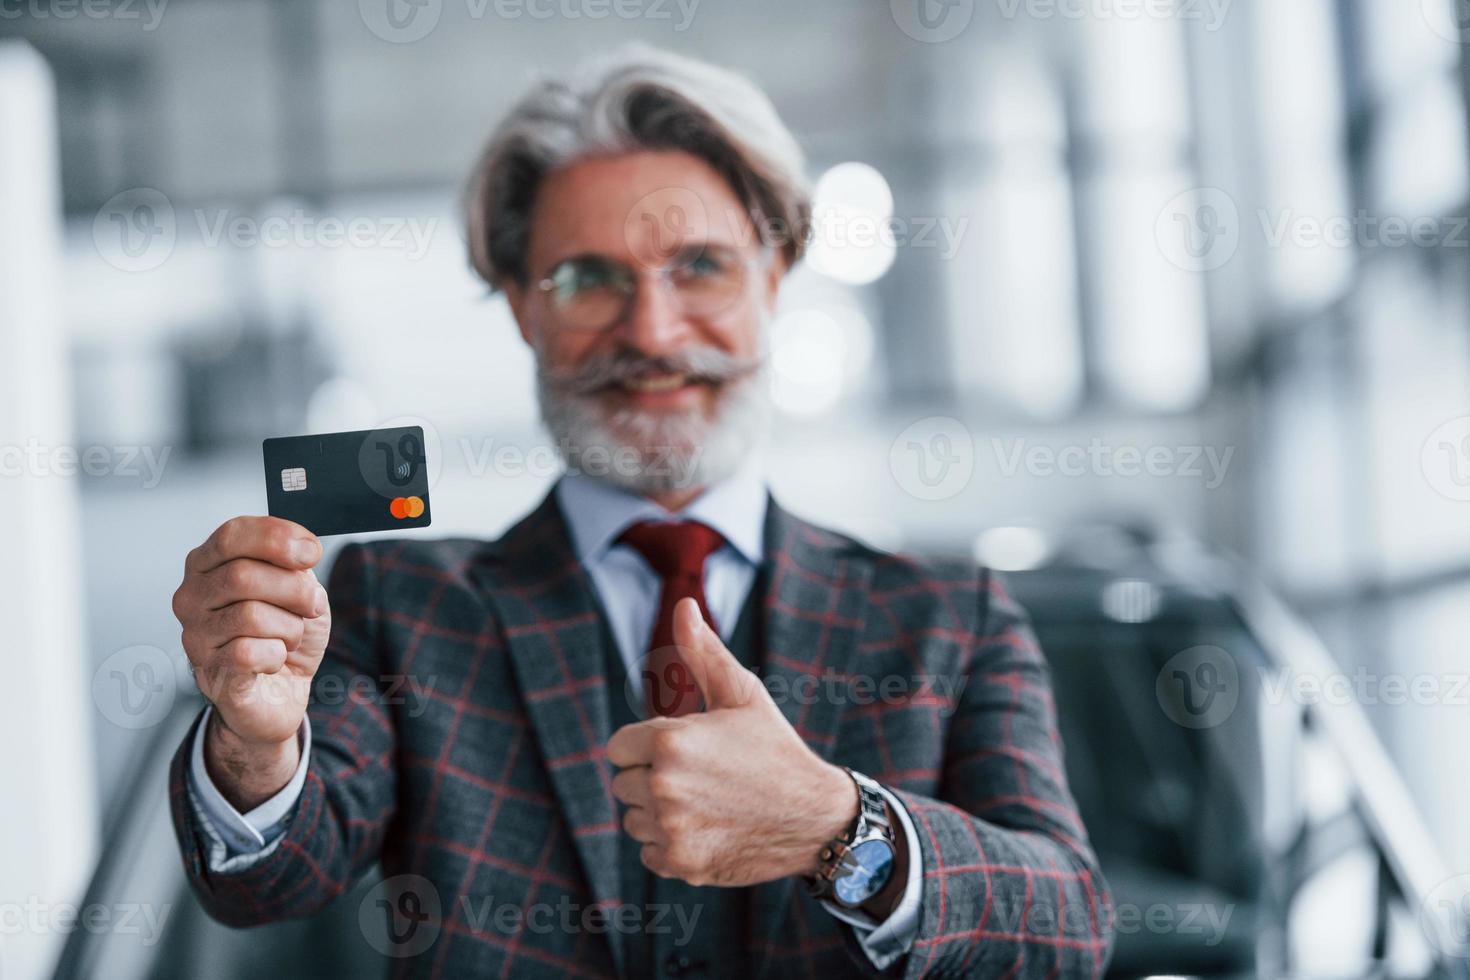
x,y
864,872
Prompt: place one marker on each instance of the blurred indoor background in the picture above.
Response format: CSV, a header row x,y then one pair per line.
x,y
1196,268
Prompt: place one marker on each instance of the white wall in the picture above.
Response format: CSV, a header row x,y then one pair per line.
x,y
50,829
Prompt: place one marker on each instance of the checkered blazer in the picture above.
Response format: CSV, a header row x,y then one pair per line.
x,y
497,789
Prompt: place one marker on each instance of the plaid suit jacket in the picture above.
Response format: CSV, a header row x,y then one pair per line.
x,y
494,791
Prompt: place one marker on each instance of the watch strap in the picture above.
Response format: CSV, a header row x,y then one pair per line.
x,y
872,818
872,807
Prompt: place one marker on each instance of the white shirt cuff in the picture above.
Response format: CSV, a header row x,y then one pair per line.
x,y
243,833
886,941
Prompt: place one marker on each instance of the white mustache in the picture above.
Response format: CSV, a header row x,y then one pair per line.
x,y
699,364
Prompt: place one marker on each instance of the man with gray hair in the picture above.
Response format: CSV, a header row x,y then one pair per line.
x,y
669,729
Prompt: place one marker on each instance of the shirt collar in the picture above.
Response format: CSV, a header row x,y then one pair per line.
x,y
597,512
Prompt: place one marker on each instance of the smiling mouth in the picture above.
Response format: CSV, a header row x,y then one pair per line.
x,y
658,384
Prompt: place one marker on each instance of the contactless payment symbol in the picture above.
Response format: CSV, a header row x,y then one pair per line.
x,y
400,472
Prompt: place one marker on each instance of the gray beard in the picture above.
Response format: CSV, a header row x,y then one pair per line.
x,y
652,453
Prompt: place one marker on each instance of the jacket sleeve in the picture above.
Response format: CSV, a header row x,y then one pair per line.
x,y
334,832
1010,884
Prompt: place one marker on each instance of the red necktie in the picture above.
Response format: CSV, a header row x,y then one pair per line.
x,y
677,552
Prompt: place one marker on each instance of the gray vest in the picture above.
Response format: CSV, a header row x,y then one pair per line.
x,y
687,931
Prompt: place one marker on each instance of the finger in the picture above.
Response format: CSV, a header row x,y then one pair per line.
x,y
630,786
250,578
631,745
655,860
721,678
252,655
270,539
253,618
239,660
640,825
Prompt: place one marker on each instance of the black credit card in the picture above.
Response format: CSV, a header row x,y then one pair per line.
x,y
349,482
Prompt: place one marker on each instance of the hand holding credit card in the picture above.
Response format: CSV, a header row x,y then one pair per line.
x,y
349,482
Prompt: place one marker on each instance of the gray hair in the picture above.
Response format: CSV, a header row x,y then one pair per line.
x,y
638,99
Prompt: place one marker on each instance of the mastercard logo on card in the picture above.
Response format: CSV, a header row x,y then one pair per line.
x,y
403,508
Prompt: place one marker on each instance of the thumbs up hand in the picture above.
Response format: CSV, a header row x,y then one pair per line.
x,y
729,796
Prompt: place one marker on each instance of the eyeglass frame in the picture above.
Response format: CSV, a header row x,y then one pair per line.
x,y
546,284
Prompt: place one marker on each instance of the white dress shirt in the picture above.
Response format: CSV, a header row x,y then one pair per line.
x,y
596,514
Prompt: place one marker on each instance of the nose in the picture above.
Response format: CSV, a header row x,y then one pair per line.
x,y
655,323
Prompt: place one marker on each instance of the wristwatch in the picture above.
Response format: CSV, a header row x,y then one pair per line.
x,y
855,868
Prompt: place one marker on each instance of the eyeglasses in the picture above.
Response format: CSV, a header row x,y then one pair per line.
x,y
591,292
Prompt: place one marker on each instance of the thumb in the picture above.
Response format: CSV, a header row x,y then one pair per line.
x,y
721,679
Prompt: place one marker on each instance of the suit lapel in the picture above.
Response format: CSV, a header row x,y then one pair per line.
x,y
548,610
814,608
